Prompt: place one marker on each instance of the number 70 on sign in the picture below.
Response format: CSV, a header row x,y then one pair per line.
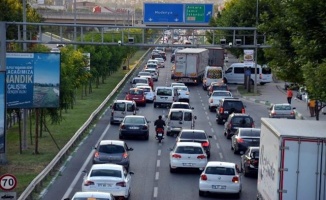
x,y
8,182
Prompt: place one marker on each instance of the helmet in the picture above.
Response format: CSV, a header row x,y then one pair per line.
x,y
160,117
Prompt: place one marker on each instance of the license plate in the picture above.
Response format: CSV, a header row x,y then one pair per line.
x,y
226,112
134,127
104,185
187,164
222,187
160,134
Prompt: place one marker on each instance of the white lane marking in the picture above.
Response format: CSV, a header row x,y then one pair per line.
x,y
217,145
212,131
221,155
210,124
80,172
158,162
202,104
206,113
207,118
159,152
204,108
157,175
155,192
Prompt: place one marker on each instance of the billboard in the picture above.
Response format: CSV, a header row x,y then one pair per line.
x,y
177,14
2,111
33,80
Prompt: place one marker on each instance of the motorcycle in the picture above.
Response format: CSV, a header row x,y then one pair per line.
x,y
159,134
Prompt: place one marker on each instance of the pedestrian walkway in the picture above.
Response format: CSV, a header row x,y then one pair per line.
x,y
274,92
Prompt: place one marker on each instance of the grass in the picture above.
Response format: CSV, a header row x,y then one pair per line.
x,y
244,92
28,165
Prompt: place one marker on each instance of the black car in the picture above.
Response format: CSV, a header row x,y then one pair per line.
x,y
156,55
244,138
236,121
172,58
134,125
228,106
250,161
195,135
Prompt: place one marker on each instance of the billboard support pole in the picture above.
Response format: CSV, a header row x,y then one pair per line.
x,y
23,139
3,158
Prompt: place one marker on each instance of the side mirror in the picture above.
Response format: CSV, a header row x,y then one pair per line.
x,y
148,121
210,136
195,117
192,109
130,149
294,108
131,173
170,149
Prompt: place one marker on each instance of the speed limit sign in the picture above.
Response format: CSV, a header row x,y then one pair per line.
x,y
8,182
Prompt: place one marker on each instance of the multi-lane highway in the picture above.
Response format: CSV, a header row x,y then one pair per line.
x,y
150,160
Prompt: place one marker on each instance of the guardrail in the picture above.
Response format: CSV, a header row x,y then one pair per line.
x,y
57,160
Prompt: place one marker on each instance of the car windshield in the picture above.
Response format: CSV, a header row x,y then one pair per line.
x,y
139,80
282,107
219,94
181,88
256,153
145,89
119,106
250,132
233,104
220,171
164,92
152,66
192,135
134,120
219,87
186,106
105,172
136,92
242,121
214,73
144,74
110,149
189,150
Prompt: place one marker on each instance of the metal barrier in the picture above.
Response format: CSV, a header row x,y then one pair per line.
x,y
37,181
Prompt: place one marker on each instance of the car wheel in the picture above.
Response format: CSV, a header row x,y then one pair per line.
x,y
219,121
231,147
168,133
120,137
237,195
172,170
111,122
208,155
245,173
235,151
155,105
146,137
201,193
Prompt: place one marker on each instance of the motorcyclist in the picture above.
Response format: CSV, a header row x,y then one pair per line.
x,y
159,123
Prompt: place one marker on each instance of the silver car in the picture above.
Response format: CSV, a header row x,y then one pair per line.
x,y
283,110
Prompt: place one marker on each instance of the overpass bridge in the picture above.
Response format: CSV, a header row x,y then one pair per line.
x,y
120,19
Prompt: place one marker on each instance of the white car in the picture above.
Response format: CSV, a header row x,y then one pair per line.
x,y
183,105
91,195
149,94
161,62
143,73
153,72
175,84
154,61
220,177
55,50
187,155
183,93
110,178
215,97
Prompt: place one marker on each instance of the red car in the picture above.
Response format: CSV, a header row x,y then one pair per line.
x,y
137,95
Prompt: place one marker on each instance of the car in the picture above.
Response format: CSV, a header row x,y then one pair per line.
x,y
183,93
120,108
244,138
161,62
236,121
302,93
143,73
137,95
186,155
60,45
150,80
111,178
134,125
152,66
228,106
136,80
112,151
178,119
153,73
220,177
157,55
160,48
165,96
216,86
281,110
196,135
149,94
55,50
183,105
215,97
250,161
161,53
154,61
92,195
177,84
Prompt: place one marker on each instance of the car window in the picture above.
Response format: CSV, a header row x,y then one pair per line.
x,y
187,116
136,92
109,149
220,171
164,92
92,198
105,172
255,133
130,107
134,120
145,89
176,115
192,135
256,153
218,87
180,106
189,150
217,94
139,80
242,121
232,104
119,106
282,107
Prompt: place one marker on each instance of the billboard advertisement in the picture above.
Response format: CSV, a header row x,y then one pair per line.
x,y
177,14
33,80
2,111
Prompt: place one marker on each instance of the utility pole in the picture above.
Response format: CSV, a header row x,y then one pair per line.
x,y
25,111
256,49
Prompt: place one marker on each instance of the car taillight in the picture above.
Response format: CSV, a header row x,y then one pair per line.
x,y
292,113
88,183
122,127
211,101
253,125
230,125
112,113
97,154
176,156
243,110
143,98
201,157
273,113
221,110
121,184
240,140
253,162
145,128
127,97
235,179
203,177
205,144
187,93
125,155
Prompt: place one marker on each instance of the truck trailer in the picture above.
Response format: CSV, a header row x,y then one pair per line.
x,y
190,65
216,56
292,160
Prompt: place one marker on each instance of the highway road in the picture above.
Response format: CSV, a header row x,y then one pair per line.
x,y
150,160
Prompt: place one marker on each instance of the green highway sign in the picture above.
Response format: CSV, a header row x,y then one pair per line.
x,y
195,13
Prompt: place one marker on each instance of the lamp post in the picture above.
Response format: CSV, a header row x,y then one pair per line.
x,y
75,28
256,49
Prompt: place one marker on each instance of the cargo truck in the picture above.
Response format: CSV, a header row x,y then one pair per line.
x,y
292,160
190,65
215,57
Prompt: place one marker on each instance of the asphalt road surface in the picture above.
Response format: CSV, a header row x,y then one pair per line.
x,y
150,160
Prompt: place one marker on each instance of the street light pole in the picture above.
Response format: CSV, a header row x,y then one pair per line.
x,y
256,49
75,28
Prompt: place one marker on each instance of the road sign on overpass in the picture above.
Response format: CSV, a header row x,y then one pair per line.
x,y
177,14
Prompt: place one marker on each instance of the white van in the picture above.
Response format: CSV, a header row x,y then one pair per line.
x,y
235,74
165,96
121,108
212,74
179,119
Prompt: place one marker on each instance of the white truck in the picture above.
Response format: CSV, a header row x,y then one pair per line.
x,y
190,65
292,160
